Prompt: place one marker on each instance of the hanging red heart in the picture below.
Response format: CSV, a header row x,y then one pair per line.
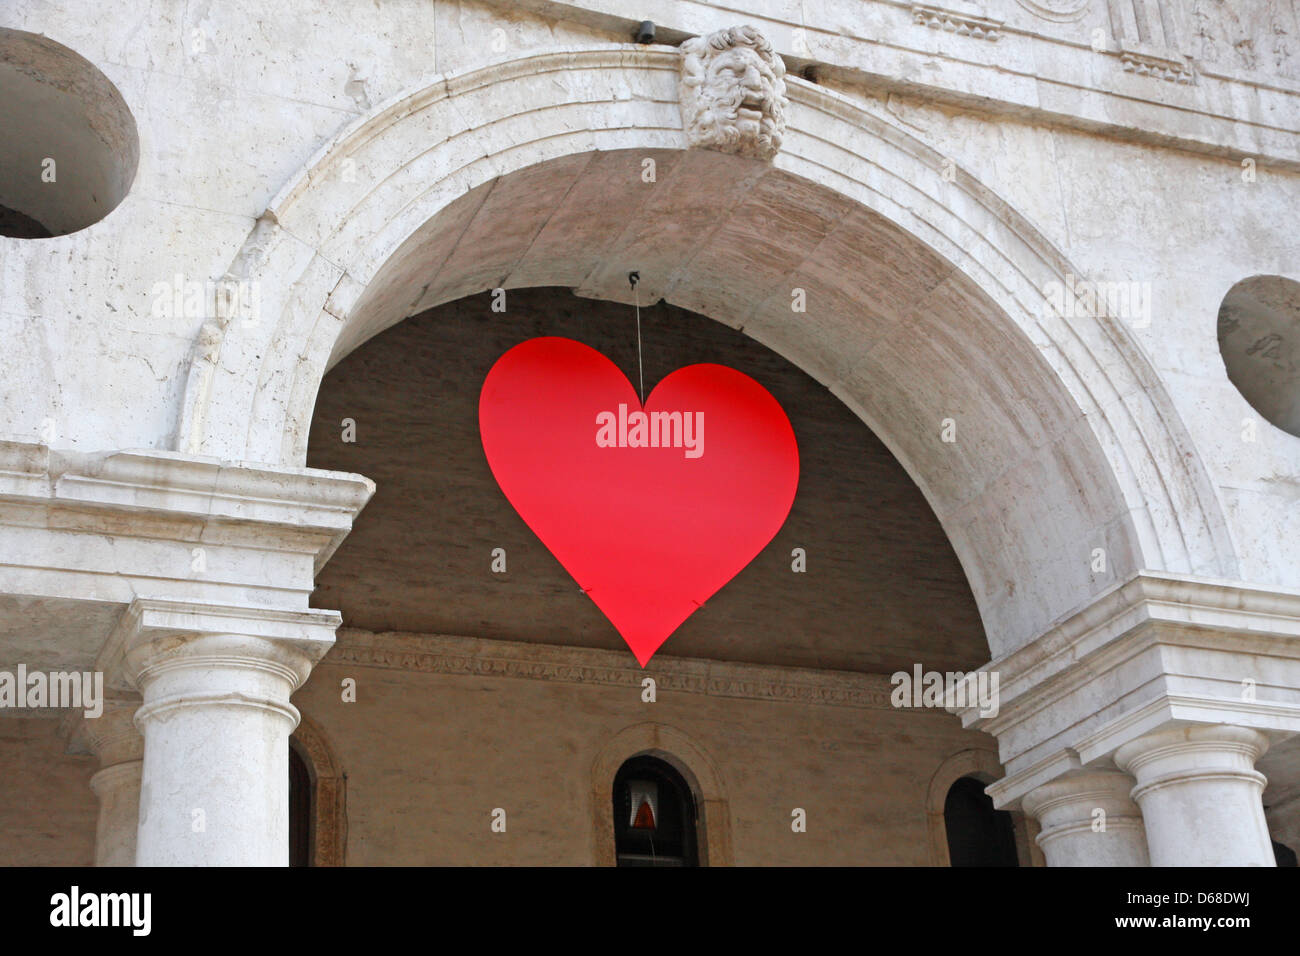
x,y
651,510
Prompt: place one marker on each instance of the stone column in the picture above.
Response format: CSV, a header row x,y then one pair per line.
x,y
1088,819
216,720
1200,795
117,743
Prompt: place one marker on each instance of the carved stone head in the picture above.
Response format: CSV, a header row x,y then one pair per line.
x,y
733,93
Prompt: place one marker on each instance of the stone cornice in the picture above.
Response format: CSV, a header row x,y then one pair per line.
x,y
311,631
161,491
1032,72
1155,650
475,657
1166,68
962,24
1195,603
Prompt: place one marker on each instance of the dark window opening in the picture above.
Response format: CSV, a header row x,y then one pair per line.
x,y
1283,855
16,225
978,834
299,810
654,815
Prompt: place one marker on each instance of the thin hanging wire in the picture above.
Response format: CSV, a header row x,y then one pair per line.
x,y
632,279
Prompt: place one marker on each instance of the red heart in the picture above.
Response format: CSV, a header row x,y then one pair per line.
x,y
650,533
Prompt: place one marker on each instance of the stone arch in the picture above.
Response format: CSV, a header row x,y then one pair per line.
x,y
1068,440
687,758
329,825
984,766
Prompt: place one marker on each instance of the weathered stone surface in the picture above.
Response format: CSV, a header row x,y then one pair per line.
x,y
1124,514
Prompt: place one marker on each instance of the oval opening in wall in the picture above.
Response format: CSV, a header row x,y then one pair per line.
x,y
70,147
1259,338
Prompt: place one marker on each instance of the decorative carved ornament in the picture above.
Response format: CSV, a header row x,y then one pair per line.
x,y
733,93
937,18
1057,10
443,654
1170,70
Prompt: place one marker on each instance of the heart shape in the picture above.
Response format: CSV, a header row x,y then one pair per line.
x,y
649,531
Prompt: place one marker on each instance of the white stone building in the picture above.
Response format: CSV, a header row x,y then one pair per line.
x,y
1023,274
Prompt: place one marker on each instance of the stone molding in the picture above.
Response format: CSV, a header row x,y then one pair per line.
x,y
155,636
1058,11
1223,752
87,534
1066,809
1159,67
164,493
965,25
1108,790
87,530
1156,651
1037,75
475,657
1150,597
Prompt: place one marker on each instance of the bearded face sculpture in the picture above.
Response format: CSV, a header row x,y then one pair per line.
x,y
733,93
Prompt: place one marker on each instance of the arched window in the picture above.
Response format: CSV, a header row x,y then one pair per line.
x,y
300,809
654,815
978,834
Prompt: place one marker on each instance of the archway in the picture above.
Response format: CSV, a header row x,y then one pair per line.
x,y
926,302
324,831
654,815
978,834
982,766
679,751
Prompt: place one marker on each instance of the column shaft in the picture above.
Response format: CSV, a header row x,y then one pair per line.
x,y
115,740
1200,795
216,720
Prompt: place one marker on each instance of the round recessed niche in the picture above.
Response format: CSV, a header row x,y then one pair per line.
x,y
70,147
1259,339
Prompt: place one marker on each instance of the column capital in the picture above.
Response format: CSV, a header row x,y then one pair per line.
x,y
216,683
1179,753
155,636
114,739
118,528
1107,789
112,736
1200,794
1088,818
